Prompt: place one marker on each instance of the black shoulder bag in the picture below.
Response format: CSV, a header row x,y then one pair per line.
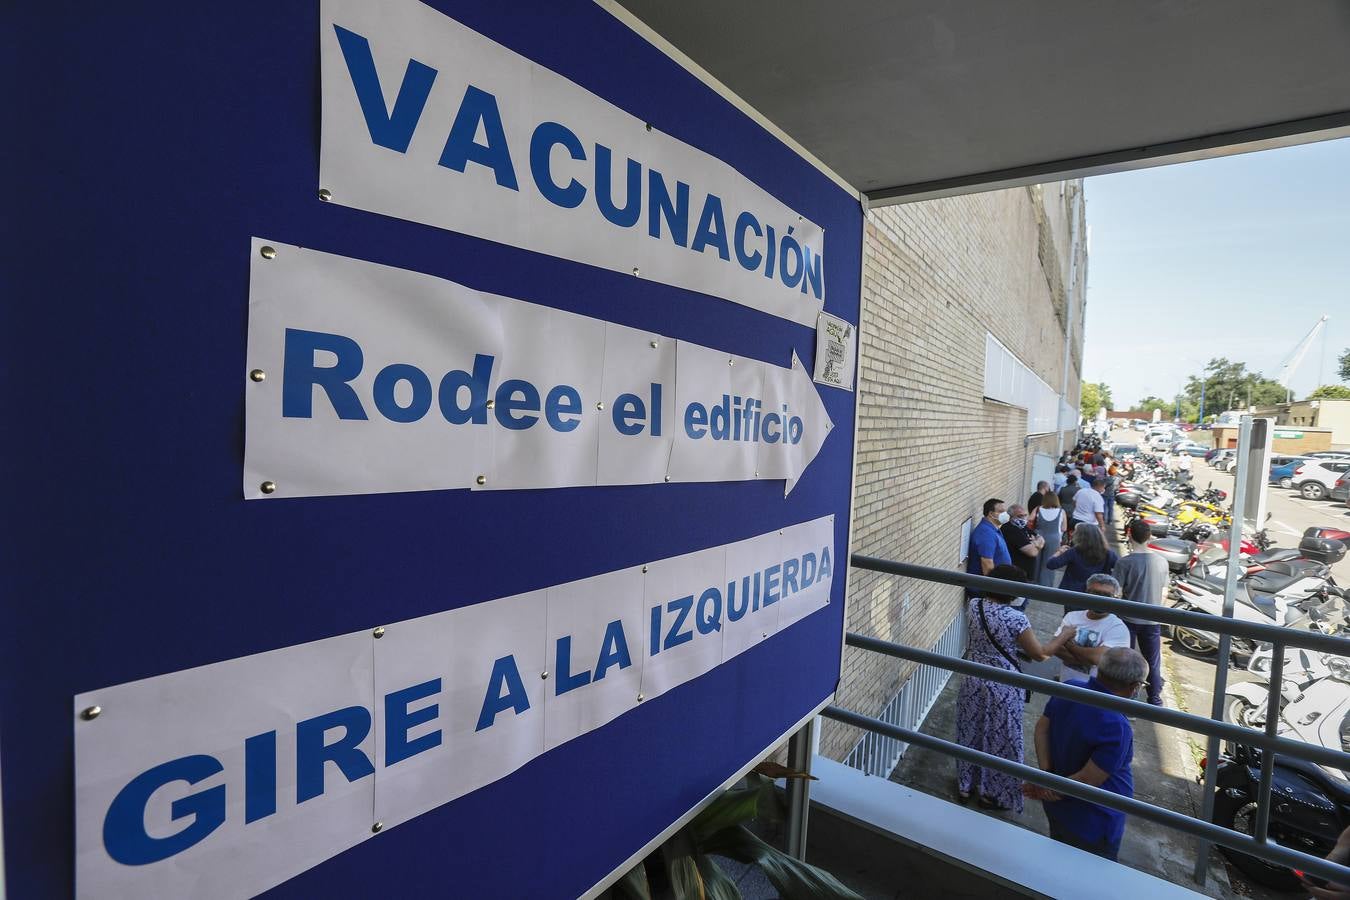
x,y
1026,694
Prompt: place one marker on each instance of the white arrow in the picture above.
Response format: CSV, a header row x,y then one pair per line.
x,y
364,378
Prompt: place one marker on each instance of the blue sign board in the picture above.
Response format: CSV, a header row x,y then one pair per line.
x,y
176,184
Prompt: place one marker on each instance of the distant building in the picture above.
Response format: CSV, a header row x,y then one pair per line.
x,y
1333,415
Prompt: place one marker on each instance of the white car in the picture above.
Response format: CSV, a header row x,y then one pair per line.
x,y
1159,439
1316,477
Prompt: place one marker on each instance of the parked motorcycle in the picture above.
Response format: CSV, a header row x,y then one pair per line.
x,y
1310,804
1293,594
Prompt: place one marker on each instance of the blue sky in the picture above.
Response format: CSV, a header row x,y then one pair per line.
x,y
1233,257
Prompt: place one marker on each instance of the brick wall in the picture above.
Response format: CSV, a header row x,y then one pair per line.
x,y
937,276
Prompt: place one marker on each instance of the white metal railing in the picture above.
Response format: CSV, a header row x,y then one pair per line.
x,y
879,754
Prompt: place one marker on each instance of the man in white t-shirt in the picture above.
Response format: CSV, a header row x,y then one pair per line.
x,y
1089,505
1095,632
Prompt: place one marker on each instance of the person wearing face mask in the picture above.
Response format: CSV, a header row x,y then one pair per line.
x,y
1093,633
1094,746
987,547
1024,545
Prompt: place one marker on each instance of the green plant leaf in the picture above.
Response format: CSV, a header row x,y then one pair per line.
x,y
793,879
681,866
731,808
715,882
634,885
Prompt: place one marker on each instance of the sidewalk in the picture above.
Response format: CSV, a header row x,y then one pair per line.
x,y
1164,774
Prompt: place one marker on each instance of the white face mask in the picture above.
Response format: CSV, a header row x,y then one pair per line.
x,y
1003,517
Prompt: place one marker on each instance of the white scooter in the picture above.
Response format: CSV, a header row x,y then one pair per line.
x,y
1286,594
1301,686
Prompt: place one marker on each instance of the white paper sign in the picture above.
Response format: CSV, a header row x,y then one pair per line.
x,y
225,780
427,120
836,352
370,379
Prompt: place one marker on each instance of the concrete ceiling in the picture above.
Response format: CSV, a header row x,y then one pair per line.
x,y
915,98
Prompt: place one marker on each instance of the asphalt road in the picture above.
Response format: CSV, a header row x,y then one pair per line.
x,y
1191,678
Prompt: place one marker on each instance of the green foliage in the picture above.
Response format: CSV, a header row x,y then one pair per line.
x,y
1331,392
1094,396
1344,363
690,872
1150,403
1228,385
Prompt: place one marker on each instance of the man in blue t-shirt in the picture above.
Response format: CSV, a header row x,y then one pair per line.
x,y
987,546
1094,746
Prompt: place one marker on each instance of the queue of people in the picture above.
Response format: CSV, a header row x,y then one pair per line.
x,y
1059,538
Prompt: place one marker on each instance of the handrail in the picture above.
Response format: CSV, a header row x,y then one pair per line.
x,y
1217,834
1163,716
1268,740
1273,634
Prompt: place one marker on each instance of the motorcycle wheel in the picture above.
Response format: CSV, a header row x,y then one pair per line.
x,y
1241,711
1239,814
1191,641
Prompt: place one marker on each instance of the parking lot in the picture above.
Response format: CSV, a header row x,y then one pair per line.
x,y
1190,678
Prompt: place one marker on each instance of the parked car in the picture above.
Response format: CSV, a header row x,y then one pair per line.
x,y
1328,454
1315,478
1125,451
1189,447
1187,426
1224,459
1211,453
1341,489
1282,469
1159,439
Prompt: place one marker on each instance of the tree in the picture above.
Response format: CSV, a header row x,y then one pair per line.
x,y
1331,392
1228,384
1150,403
1345,365
1094,396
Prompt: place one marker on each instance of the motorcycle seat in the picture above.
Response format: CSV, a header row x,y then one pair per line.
x,y
1270,581
1336,789
1275,554
1301,568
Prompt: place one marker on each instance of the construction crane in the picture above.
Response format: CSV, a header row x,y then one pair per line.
x,y
1291,363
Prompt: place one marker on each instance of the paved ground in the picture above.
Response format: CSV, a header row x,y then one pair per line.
x,y
1165,772
1166,760
1192,678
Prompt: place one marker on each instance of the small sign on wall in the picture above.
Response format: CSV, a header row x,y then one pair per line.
x,y
836,352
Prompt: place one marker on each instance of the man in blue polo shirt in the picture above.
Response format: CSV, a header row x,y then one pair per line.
x,y
987,546
1094,746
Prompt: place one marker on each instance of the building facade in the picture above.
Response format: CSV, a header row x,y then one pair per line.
x,y
1332,415
970,362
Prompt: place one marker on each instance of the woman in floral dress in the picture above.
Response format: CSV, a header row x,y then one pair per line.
x,y
989,714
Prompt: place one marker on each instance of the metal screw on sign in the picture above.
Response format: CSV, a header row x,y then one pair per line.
x,y
492,404
91,712
600,405
377,828
636,272
649,126
378,632
481,479
640,698
267,487
258,375
644,570
543,675
655,344
667,478
268,252
325,194
731,362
